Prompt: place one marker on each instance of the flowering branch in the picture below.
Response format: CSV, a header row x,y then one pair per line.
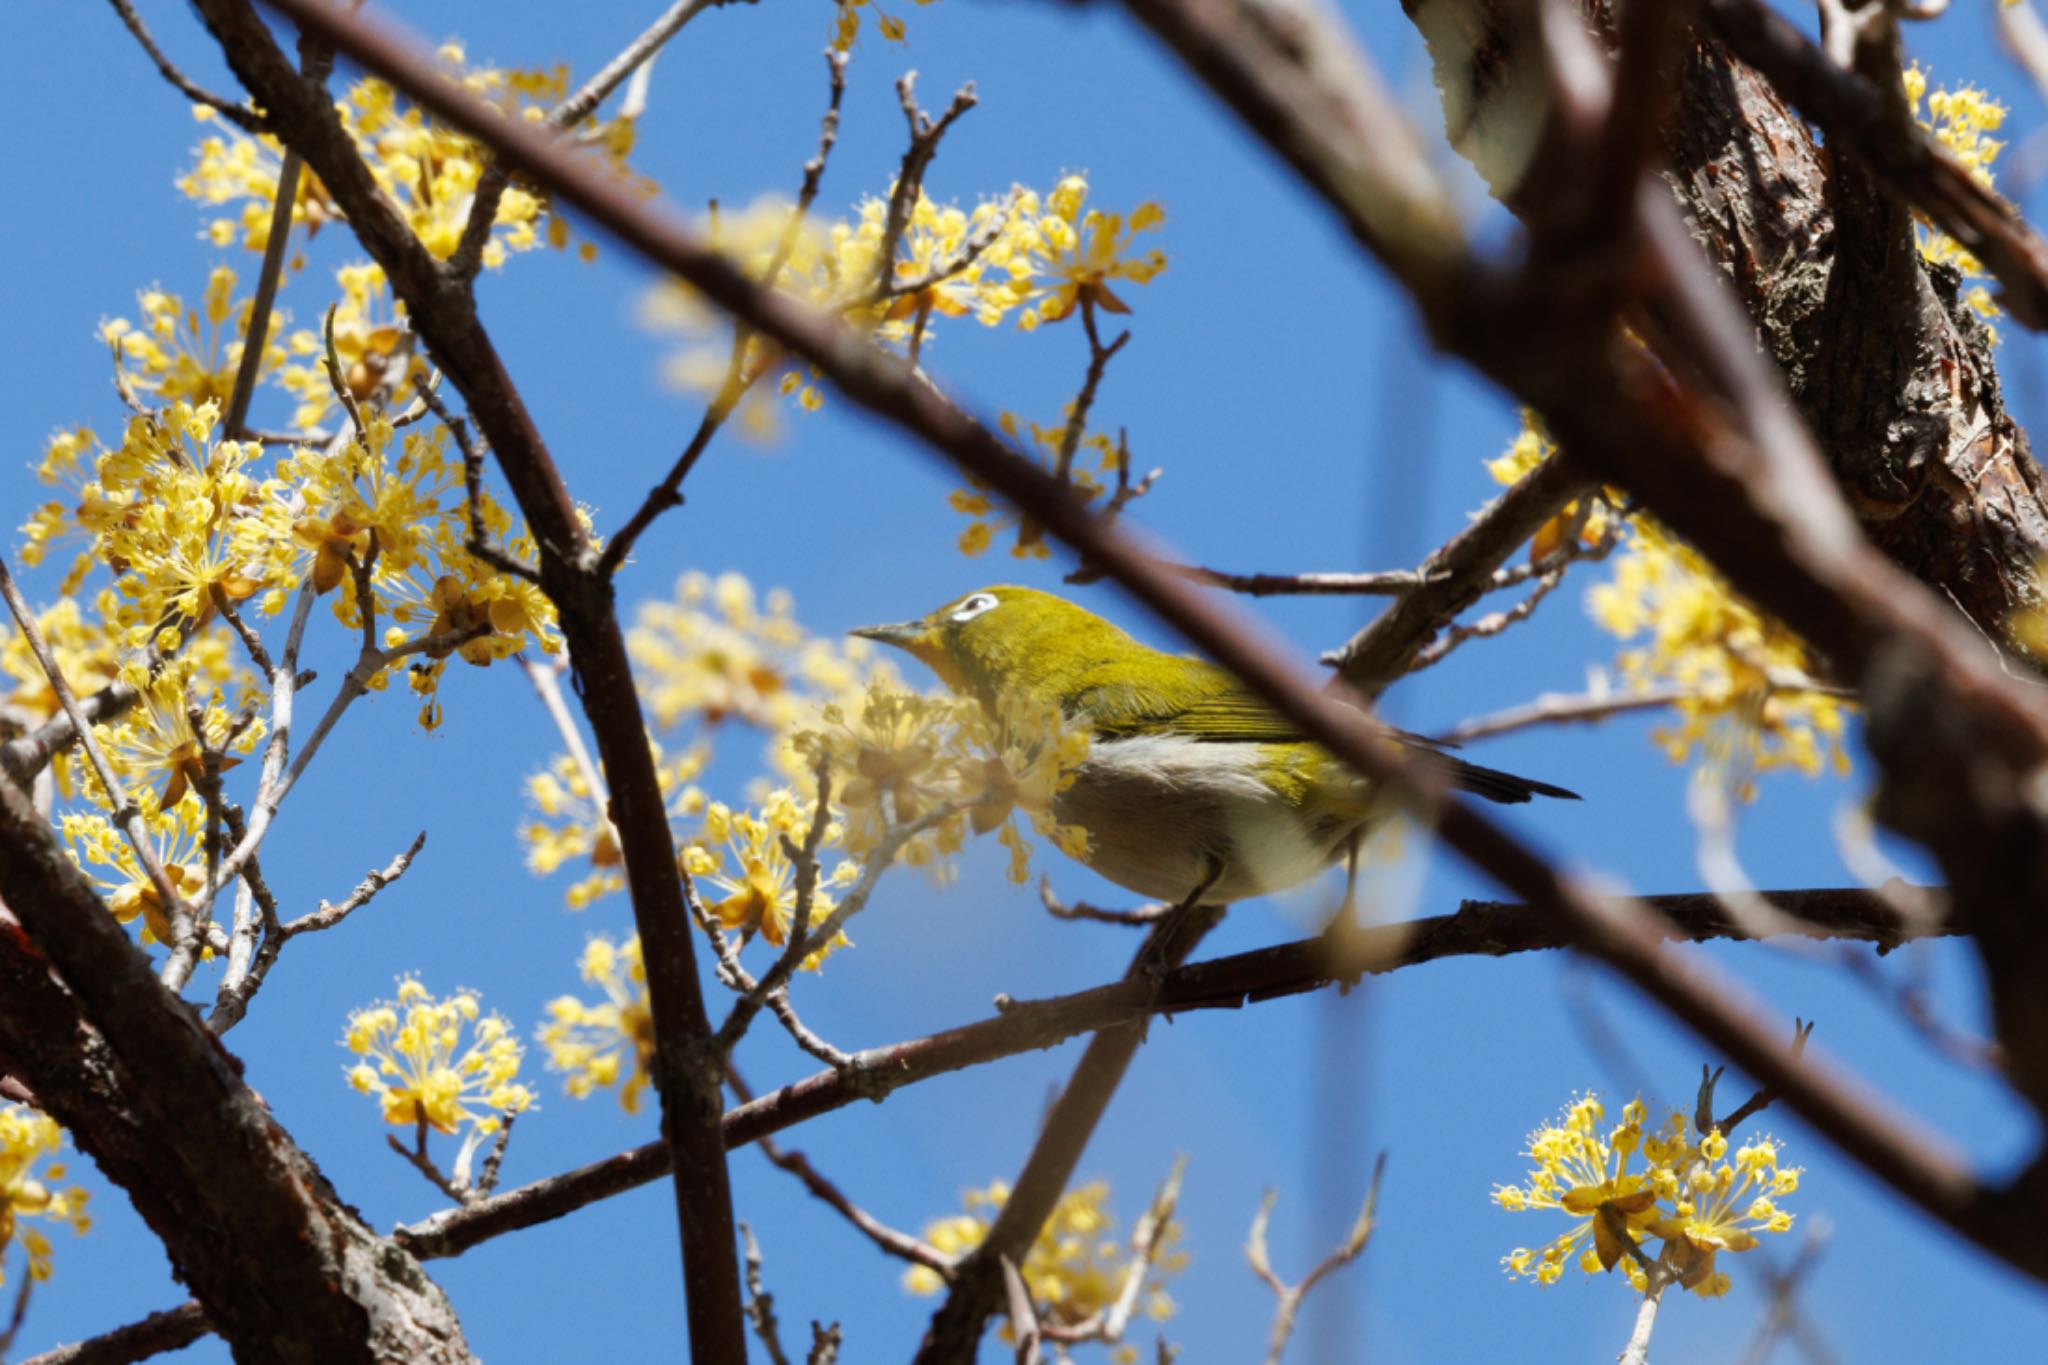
x,y
483,212
184,955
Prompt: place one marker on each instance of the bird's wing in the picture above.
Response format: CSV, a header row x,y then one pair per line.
x,y
1207,703
1211,704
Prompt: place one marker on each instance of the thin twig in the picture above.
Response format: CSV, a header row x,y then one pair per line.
x,y
925,136
184,946
733,387
192,90
760,1305
1289,1297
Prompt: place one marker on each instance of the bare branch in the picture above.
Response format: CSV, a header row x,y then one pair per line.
x,y
1391,583
1289,1297
190,89
760,1305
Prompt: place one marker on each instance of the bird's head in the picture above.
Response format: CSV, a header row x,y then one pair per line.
x,y
1007,639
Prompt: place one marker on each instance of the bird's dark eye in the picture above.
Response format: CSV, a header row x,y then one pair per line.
x,y
973,606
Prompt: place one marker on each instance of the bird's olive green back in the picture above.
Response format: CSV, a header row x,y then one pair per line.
x,y
1045,646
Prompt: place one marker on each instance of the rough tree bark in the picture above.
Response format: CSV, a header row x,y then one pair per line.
x,y
1893,372
285,1270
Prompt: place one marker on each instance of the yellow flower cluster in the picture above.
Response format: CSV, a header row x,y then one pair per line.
x,y
26,1181
846,22
1038,257
1726,655
715,652
441,1062
180,837
594,1043
84,655
1592,517
745,856
1687,1195
1075,1269
183,354
574,824
427,169
182,520
897,757
1962,120
988,518
372,346
1729,658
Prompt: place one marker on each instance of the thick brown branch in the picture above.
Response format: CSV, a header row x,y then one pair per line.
x,y
442,310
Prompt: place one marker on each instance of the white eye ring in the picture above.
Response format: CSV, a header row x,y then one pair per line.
x,y
974,606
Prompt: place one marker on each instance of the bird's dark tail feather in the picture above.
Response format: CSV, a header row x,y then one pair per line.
x,y
1505,788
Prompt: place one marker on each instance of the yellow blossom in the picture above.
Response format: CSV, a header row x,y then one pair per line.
x,y
28,1187
1081,250
1075,1268
1029,256
715,652
742,854
185,354
1016,757
1962,120
594,1043
1685,1195
180,837
441,1063
156,741
426,169
1093,457
846,22
1730,660
573,823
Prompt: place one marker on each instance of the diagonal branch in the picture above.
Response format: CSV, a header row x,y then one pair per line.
x,y
1479,928
442,310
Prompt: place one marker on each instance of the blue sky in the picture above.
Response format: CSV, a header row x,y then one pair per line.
x,y
1302,424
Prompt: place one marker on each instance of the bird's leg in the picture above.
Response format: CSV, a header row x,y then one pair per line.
x,y
1155,959
1352,847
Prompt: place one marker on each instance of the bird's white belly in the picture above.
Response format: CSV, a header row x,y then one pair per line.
x,y
1162,812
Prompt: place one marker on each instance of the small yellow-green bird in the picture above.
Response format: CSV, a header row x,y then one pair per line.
x,y
1193,787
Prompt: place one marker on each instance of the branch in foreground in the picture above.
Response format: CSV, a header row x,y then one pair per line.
x,y
1478,929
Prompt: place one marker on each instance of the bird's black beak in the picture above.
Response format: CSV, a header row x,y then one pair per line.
x,y
903,634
